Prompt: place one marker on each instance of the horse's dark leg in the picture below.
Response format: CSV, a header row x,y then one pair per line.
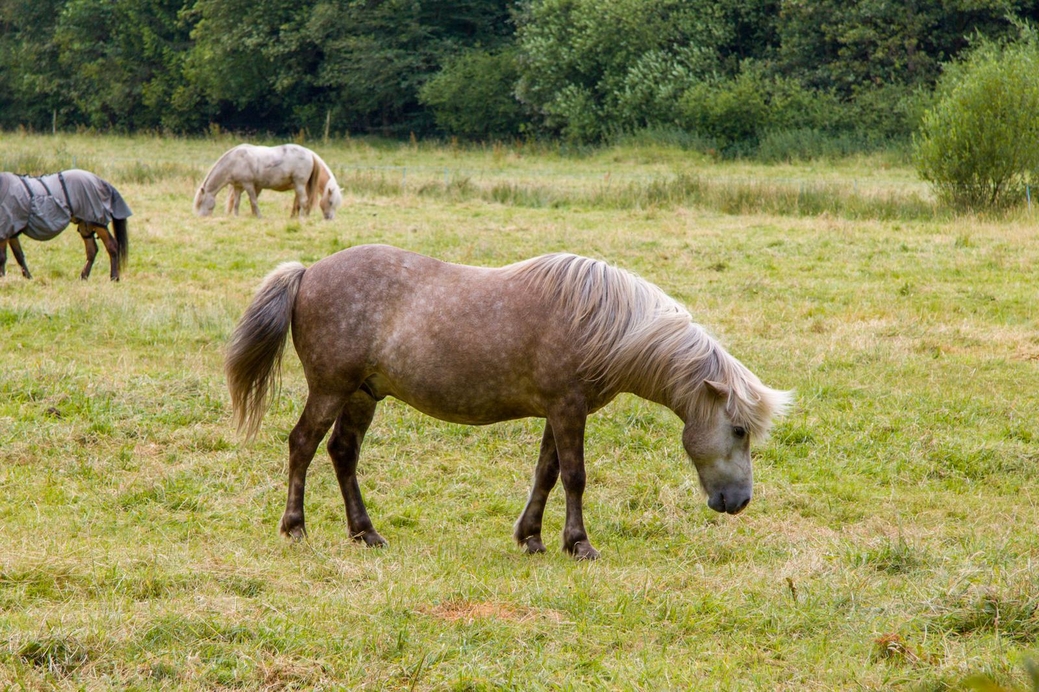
x,y
528,526
345,447
87,233
568,430
3,256
19,256
113,250
318,415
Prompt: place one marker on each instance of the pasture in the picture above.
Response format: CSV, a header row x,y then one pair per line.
x,y
891,542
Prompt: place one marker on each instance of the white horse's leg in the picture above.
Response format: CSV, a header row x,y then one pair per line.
x,y
301,204
253,194
233,199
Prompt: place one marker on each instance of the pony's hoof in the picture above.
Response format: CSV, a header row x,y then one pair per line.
x,y
294,531
372,539
583,550
533,546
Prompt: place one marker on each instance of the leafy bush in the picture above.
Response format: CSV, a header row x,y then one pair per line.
x,y
979,145
472,96
594,68
744,109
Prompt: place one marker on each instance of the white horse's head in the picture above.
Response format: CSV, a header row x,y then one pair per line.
x,y
331,199
204,202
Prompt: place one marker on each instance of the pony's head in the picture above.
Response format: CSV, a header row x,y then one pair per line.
x,y
204,202
718,438
331,199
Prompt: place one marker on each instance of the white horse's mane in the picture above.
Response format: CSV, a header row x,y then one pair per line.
x,y
634,333
331,187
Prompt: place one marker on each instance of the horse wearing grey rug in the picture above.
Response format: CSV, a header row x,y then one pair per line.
x,y
42,207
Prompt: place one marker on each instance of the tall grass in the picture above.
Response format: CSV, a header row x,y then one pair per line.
x,y
727,195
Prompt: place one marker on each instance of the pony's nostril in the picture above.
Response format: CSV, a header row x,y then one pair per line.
x,y
740,506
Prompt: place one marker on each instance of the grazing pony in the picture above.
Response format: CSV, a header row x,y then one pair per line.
x,y
43,207
286,167
555,337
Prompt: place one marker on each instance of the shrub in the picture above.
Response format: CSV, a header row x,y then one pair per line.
x,y
741,110
472,96
979,145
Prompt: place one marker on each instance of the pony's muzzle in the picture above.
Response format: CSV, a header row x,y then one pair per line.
x,y
731,501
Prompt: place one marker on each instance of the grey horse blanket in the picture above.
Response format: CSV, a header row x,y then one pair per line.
x,y
42,207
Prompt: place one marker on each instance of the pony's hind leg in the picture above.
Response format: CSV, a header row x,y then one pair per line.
x,y
344,447
528,526
87,233
113,250
253,201
19,256
318,415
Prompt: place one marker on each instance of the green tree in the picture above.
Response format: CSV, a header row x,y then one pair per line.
x,y
121,61
473,95
30,77
593,67
979,145
378,55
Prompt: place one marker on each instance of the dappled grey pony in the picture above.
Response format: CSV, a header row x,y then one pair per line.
x,y
555,337
42,207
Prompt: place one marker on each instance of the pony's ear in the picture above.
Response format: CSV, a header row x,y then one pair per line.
x,y
718,389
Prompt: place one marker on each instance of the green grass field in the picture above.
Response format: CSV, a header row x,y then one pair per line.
x,y
891,543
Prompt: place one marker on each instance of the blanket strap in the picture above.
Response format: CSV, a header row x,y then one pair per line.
x,y
27,188
68,202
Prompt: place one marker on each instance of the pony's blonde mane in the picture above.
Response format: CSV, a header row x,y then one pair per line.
x,y
322,182
637,338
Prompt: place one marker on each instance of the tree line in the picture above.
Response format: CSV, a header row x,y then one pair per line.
x,y
729,74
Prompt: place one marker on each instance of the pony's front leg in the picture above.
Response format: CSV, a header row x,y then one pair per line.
x,y
3,256
568,430
90,245
233,199
318,415
528,527
19,256
344,447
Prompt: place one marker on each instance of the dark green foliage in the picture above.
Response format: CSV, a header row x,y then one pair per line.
x,y
472,96
737,76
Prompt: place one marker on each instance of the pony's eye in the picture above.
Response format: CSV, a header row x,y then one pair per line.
x,y
739,431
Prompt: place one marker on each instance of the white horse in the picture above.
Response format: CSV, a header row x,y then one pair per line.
x,y
286,167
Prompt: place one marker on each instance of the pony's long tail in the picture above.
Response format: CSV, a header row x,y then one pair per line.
x,y
122,241
253,358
